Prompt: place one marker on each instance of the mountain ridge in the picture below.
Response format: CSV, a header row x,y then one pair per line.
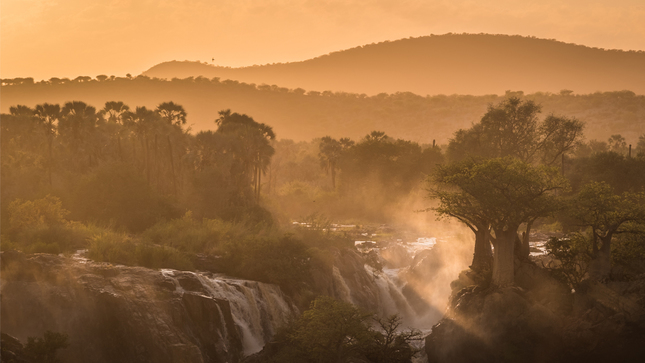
x,y
477,64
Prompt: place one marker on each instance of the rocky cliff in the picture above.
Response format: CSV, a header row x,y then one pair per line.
x,y
540,320
115,313
118,313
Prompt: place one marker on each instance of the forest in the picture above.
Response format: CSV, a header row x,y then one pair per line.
x,y
133,185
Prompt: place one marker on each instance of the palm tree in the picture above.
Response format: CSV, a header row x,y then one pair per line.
x,y
173,113
115,111
253,148
331,151
77,125
144,123
49,116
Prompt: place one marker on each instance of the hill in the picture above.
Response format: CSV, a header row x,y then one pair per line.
x,y
476,64
301,115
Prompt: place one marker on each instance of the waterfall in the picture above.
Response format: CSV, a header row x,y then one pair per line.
x,y
258,309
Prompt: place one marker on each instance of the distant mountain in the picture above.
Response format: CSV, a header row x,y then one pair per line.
x,y
475,64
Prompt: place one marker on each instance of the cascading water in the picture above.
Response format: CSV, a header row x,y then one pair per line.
x,y
396,293
258,309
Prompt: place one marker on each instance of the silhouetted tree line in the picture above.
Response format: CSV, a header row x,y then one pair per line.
x,y
133,166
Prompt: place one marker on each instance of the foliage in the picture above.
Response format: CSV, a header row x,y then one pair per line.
x,y
628,249
187,234
506,191
619,171
40,226
284,261
116,193
331,152
572,256
119,249
511,128
598,207
47,211
44,349
390,344
336,331
502,193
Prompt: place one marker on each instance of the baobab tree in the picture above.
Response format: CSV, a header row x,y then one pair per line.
x,y
505,193
512,128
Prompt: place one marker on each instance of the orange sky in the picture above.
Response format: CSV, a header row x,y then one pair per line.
x,y
68,38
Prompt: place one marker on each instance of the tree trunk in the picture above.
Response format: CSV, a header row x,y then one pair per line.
x,y
120,151
483,255
147,160
51,160
156,165
259,181
172,169
504,257
600,266
333,176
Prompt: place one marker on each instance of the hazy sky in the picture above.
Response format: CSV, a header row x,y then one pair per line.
x,y
68,38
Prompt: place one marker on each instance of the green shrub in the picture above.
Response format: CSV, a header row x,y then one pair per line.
x,y
40,226
47,211
116,193
336,331
120,249
189,235
572,257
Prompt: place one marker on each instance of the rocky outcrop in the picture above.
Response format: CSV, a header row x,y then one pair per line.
x,y
133,314
540,320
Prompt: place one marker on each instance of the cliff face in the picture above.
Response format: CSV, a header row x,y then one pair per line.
x,y
114,313
118,313
540,320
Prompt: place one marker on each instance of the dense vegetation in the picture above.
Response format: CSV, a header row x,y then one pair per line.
x,y
134,187
500,179
335,331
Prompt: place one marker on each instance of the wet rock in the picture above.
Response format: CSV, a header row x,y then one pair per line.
x,y
11,350
133,314
189,282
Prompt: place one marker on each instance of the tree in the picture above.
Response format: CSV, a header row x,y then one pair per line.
x,y
330,331
507,192
253,147
331,151
336,331
144,121
77,126
115,111
49,116
173,113
511,128
390,344
458,204
617,144
597,206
